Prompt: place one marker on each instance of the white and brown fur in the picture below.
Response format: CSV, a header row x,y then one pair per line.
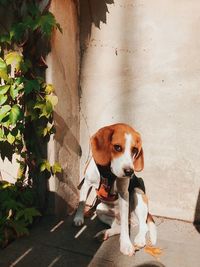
x,y
120,147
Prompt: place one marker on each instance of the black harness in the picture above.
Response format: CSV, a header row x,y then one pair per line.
x,y
107,179
105,191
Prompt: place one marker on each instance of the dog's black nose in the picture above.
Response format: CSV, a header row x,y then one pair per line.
x,y
128,171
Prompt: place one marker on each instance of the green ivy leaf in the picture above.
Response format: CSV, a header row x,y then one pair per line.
x,y
31,85
10,138
15,114
21,169
3,70
48,129
46,108
25,65
39,105
18,136
4,111
11,204
56,168
28,214
42,167
49,89
19,81
14,59
2,137
4,89
53,99
45,165
5,122
5,38
5,185
46,23
18,31
13,91
3,99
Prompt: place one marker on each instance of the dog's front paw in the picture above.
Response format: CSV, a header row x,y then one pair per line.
x,y
78,220
140,240
127,248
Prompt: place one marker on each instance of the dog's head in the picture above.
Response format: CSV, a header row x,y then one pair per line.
x,y
119,146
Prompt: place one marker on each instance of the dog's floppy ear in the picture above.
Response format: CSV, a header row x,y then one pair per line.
x,y
101,146
139,161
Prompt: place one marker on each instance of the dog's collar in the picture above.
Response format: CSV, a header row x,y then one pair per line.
x,y
107,179
105,191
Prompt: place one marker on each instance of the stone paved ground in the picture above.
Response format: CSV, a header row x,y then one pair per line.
x,y
56,242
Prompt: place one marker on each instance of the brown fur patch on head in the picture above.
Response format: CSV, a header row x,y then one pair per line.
x,y
104,141
101,146
139,161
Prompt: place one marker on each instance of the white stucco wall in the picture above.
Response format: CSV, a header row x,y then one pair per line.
x,y
142,67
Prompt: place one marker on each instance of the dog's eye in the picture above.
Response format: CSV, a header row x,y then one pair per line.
x,y
118,148
134,151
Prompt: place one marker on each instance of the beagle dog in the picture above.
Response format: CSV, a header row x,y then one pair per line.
x,y
116,153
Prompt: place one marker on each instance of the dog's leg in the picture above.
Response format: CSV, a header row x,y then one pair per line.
x,y
126,246
106,233
141,211
114,230
79,217
92,178
107,214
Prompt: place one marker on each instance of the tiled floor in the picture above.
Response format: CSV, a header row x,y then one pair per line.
x,y
56,243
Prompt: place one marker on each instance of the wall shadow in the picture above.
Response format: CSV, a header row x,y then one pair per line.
x,y
197,214
92,12
62,130
67,153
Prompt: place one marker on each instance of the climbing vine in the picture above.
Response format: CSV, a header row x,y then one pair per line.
x,y
26,110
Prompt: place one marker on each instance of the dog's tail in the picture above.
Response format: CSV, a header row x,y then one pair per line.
x,y
152,229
